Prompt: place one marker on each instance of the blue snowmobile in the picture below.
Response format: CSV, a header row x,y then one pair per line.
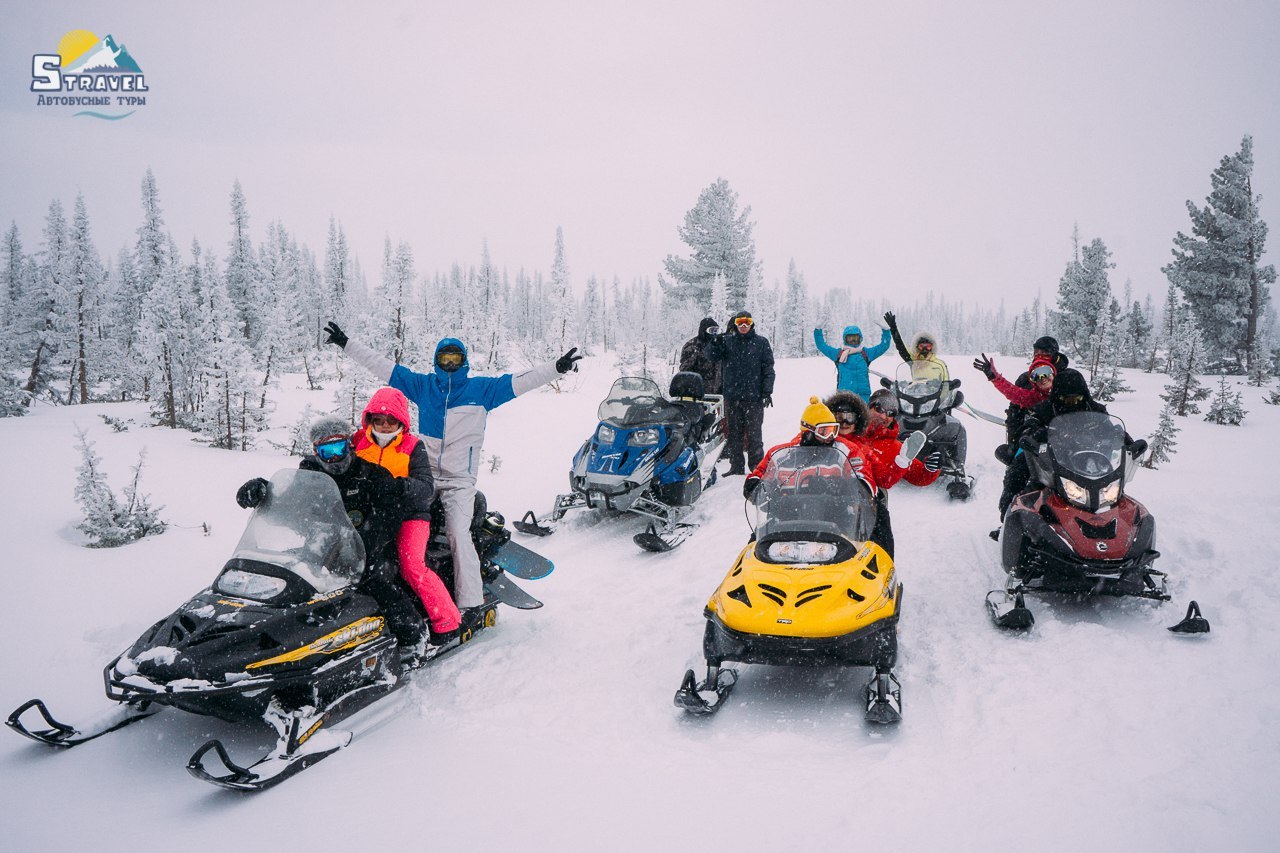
x,y
649,454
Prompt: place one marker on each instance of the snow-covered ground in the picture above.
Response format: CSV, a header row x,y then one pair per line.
x,y
556,731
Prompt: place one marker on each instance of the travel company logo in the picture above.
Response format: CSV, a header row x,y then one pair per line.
x,y
89,72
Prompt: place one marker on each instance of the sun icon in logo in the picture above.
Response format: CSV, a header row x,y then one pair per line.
x,y
74,45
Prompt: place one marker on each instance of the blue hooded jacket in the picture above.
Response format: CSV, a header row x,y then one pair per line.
x,y
453,407
851,372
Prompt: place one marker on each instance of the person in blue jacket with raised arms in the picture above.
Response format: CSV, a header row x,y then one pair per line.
x,y
453,408
853,360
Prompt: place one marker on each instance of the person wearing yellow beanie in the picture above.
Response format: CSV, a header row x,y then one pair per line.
x,y
818,426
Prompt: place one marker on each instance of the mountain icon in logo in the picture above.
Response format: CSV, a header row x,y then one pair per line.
x,y
105,57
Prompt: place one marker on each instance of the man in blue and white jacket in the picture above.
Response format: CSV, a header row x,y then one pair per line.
x,y
453,408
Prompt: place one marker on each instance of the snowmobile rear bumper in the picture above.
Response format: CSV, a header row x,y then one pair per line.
x,y
875,645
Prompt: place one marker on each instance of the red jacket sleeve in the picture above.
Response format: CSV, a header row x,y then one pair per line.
x,y
918,475
1024,397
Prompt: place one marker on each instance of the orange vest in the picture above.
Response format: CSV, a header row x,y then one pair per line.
x,y
394,457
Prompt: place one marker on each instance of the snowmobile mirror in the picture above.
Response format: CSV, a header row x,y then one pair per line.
x,y
886,382
955,383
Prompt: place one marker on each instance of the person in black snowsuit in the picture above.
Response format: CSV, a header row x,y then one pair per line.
x,y
1015,415
1070,394
375,502
693,356
747,387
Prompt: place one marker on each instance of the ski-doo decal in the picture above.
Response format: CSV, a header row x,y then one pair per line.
x,y
354,634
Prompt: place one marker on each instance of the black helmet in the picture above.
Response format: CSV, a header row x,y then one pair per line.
x,y
1046,344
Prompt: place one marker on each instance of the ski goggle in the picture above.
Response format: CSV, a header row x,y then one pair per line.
x,y
853,340
924,346
845,417
331,449
1042,373
890,409
450,359
825,432
382,420
1071,400
744,322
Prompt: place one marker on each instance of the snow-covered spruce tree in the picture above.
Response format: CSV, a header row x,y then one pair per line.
x,y
1187,360
560,304
80,301
1227,406
718,310
1272,398
230,415
337,274
489,306
1107,348
1136,337
793,334
1218,266
721,242
591,316
110,521
283,337
42,304
1260,364
243,284
1160,446
1083,291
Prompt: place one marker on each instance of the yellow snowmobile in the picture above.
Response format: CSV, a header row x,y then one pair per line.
x,y
809,589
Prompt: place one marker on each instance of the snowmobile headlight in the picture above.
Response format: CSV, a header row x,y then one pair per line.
x,y
644,437
605,434
1075,493
249,585
926,407
801,552
1110,494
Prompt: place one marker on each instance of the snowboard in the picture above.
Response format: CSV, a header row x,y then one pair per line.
x,y
518,561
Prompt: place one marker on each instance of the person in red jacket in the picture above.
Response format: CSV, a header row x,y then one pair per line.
x,y
818,427
880,435
384,439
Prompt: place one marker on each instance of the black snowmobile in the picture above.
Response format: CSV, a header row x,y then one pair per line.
x,y
285,634
926,400
649,455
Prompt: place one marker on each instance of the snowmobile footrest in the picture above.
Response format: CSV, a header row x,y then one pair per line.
x,y
1192,623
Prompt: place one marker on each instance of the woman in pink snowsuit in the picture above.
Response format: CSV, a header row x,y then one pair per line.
x,y
384,439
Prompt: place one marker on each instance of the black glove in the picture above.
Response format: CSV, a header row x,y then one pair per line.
x,y
933,461
984,364
768,400
750,486
891,319
565,363
335,335
252,493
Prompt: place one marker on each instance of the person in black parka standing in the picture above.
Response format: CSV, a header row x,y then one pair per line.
x,y
693,356
747,387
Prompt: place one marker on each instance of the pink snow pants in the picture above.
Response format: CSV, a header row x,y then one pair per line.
x,y
412,547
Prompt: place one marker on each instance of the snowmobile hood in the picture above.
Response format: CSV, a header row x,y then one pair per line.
x,y
457,378
857,588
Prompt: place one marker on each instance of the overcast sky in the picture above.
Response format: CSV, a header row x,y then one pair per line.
x,y
891,147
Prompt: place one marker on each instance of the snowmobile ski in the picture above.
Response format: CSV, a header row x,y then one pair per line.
x,y
303,740
1009,610
981,415
652,540
1192,623
884,699
692,696
518,561
62,735
501,588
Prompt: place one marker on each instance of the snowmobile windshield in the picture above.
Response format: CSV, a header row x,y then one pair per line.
x,y
812,491
633,401
303,528
920,388
1087,445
